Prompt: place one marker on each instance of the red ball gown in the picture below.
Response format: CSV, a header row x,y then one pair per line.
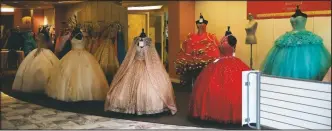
x,y
197,51
217,92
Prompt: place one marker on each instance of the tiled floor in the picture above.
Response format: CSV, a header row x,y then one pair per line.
x,y
16,114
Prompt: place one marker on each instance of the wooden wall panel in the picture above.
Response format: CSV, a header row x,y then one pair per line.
x,y
100,11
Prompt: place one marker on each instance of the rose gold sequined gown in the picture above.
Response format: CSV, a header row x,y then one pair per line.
x,y
107,59
141,85
78,76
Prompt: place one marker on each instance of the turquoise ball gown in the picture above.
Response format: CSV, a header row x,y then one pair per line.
x,y
300,55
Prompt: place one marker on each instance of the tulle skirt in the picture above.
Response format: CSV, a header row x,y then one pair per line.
x,y
135,93
35,70
307,61
107,59
78,77
217,93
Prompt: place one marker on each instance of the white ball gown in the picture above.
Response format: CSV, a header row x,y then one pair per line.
x,y
141,85
78,77
34,72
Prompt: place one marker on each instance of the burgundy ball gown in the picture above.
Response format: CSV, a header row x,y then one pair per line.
x,y
217,92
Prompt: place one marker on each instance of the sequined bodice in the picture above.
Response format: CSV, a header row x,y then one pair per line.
x,y
140,52
77,44
200,45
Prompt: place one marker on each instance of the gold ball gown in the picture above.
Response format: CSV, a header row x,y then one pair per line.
x,y
78,76
141,85
34,72
106,56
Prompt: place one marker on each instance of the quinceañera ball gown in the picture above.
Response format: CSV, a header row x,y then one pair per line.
x,y
35,70
78,77
141,85
298,54
106,54
197,51
217,94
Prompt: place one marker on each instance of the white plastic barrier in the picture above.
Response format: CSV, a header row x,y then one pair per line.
x,y
285,103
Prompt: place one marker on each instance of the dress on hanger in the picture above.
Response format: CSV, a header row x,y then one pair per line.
x,y
298,54
121,46
63,46
34,72
217,93
197,51
29,43
78,76
106,55
141,85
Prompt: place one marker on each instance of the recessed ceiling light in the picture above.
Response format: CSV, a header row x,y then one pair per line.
x,y
145,7
7,9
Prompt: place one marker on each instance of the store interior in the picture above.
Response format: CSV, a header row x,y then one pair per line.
x,y
167,24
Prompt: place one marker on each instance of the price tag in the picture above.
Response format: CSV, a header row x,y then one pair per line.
x,y
201,20
215,60
141,43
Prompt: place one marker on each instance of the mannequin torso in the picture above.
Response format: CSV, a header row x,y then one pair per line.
x,y
251,30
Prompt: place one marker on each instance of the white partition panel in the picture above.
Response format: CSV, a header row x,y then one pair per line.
x,y
294,104
251,78
282,103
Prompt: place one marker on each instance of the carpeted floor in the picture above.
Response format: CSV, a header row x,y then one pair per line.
x,y
97,108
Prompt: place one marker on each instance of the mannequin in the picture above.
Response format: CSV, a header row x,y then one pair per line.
x,y
198,50
251,30
298,20
142,35
228,32
298,54
201,24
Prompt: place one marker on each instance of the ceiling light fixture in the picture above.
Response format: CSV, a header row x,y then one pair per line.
x,y
15,2
7,9
156,7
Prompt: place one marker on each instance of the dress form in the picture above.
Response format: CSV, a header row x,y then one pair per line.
x,y
298,54
298,20
251,30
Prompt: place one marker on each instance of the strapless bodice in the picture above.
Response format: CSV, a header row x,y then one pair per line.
x,y
77,44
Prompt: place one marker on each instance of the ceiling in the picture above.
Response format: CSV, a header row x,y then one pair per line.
x,y
46,4
142,3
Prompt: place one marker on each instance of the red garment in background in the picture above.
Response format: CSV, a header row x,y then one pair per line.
x,y
217,94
